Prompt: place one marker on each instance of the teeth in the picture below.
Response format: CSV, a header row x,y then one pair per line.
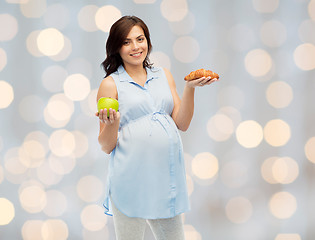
x,y
136,54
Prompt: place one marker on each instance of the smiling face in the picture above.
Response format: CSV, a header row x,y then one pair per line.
x,y
135,47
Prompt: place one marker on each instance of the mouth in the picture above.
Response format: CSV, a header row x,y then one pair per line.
x,y
136,54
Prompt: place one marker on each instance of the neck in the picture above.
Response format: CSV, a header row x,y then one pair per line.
x,y
135,70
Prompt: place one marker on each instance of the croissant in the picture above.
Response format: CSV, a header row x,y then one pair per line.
x,y
201,73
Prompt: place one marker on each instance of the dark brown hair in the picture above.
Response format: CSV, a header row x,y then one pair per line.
x,y
117,35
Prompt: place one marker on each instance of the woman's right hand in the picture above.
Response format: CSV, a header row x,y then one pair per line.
x,y
111,119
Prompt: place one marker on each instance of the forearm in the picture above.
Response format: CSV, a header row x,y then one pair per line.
x,y
185,112
108,137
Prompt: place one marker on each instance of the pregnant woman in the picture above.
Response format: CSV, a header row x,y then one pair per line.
x,y
146,179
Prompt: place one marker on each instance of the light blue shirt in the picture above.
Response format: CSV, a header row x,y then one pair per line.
x,y
146,176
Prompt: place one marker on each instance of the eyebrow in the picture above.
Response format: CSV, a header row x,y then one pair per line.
x,y
136,37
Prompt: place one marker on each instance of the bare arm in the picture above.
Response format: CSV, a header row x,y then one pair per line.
x,y
108,126
184,109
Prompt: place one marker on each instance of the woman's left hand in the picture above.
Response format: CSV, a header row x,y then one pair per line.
x,y
200,82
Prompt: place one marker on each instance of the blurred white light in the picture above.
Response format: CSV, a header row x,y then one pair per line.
x,y
205,165
309,149
86,18
77,87
311,9
31,44
33,8
266,170
57,16
190,185
288,236
106,16
8,26
93,218
186,49
65,51
32,153
32,230
285,170
220,127
160,59
81,144
6,94
174,10
33,199
88,105
7,211
191,233
47,176
273,33
277,132
232,113
31,108
258,62
239,210
50,41
39,137
12,162
279,94
58,110
17,1
101,234
53,229
265,6
3,59
90,188
304,56
249,134
62,165
282,205
62,143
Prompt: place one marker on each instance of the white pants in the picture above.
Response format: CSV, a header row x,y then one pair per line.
x,y
128,228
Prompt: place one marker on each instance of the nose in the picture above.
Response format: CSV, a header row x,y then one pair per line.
x,y
135,45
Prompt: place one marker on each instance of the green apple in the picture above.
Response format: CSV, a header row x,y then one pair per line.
x,y
106,102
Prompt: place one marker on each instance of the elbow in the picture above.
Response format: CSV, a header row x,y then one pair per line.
x,y
183,129
106,148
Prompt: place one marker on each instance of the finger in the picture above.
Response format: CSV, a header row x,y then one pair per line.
x,y
114,114
111,115
100,115
206,80
104,115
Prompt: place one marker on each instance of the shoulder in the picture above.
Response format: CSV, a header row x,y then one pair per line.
x,y
108,82
107,88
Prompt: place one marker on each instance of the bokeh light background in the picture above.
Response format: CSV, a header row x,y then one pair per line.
x,y
249,152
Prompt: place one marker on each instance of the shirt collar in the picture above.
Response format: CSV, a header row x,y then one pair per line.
x,y
124,76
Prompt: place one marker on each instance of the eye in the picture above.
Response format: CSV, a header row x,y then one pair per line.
x,y
141,39
126,43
